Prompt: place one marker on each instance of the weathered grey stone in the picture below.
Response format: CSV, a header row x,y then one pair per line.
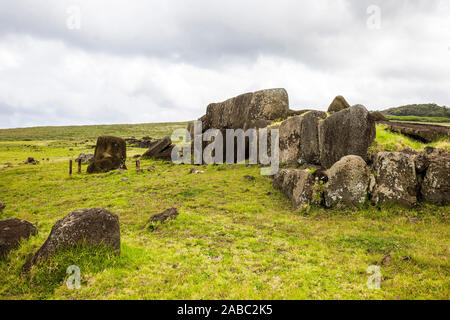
x,y
347,132
242,111
85,158
92,227
338,104
298,185
436,184
309,137
396,178
348,181
110,154
290,131
12,231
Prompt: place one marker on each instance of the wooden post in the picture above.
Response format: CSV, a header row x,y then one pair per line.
x,y
79,165
138,166
70,167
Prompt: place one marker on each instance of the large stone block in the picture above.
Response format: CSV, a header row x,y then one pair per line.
x,y
347,132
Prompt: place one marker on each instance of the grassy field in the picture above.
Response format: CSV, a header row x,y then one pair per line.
x,y
430,120
234,238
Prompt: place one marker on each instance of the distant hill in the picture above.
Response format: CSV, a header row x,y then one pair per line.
x,y
419,110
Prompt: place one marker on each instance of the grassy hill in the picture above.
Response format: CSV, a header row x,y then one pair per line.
x,y
235,238
419,110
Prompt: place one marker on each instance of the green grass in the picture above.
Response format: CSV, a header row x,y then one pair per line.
x,y
234,238
437,120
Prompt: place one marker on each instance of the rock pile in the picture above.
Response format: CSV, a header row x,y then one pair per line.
x,y
394,177
145,142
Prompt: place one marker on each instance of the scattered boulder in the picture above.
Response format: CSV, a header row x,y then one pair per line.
x,y
160,149
348,181
12,231
2,206
31,160
395,179
92,227
110,154
347,132
162,217
249,178
298,185
195,171
309,137
290,131
436,184
339,103
85,158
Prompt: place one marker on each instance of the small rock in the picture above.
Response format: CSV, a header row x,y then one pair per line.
x,y
2,206
85,158
195,171
249,178
152,168
125,179
386,260
12,231
171,213
31,160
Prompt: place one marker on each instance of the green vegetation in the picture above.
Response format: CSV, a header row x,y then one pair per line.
x,y
234,238
439,120
419,110
391,141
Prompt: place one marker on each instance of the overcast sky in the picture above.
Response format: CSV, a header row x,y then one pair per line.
x,y
105,61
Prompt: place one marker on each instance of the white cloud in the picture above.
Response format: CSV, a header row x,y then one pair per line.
x,y
166,60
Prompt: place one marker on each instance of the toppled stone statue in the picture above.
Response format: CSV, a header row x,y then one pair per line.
x,y
110,154
160,149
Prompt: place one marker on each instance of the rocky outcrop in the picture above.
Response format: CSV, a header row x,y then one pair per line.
x,y
110,154
12,231
347,132
348,181
298,185
91,227
339,103
436,183
396,180
160,149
